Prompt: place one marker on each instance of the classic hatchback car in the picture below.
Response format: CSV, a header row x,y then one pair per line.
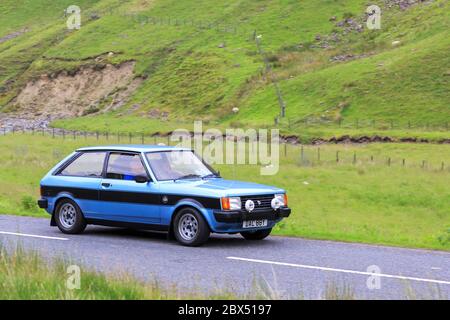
x,y
157,188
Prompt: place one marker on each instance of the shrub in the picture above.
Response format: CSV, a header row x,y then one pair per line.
x,y
29,203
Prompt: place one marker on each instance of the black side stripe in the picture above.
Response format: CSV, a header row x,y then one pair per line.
x,y
129,197
78,193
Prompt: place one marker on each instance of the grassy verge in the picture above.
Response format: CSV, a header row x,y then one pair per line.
x,y
393,194
25,275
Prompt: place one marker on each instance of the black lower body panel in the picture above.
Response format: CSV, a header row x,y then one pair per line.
x,y
131,225
241,215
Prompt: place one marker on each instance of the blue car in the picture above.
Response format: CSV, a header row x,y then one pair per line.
x,y
156,188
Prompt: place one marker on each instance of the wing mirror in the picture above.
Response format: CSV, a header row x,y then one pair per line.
x,y
141,179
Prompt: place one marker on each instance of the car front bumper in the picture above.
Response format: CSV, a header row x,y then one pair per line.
x,y
242,215
43,203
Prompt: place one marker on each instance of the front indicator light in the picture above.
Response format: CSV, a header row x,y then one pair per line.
x,y
225,203
231,203
280,200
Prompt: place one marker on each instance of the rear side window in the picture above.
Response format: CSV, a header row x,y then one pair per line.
x,y
89,164
125,166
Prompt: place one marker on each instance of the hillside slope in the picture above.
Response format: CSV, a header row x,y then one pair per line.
x,y
199,59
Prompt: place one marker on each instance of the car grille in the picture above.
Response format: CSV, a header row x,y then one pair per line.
x,y
262,202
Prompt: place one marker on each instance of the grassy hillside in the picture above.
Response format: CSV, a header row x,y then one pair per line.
x,y
198,59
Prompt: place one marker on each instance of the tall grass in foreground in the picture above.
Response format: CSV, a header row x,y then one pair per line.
x,y
25,275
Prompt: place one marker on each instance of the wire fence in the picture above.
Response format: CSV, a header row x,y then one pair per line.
x,y
302,155
367,124
166,20
317,156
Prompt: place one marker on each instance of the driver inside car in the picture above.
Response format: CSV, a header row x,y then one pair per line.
x,y
135,169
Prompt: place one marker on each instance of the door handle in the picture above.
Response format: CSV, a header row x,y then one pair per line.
x,y
106,185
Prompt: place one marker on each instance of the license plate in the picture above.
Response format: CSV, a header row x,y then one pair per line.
x,y
254,223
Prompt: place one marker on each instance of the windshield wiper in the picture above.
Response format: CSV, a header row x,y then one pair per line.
x,y
211,175
188,176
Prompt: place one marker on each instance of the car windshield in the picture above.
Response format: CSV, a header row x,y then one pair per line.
x,y
174,165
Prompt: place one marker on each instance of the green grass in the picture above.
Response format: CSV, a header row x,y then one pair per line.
x,y
26,276
189,76
366,201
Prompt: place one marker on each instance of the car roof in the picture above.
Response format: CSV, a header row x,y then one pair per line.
x,y
133,148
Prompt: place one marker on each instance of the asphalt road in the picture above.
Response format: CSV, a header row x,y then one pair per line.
x,y
291,267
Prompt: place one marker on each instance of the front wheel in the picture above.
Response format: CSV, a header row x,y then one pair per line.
x,y
68,217
190,228
256,235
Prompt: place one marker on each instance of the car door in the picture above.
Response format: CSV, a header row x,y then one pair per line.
x,y
123,199
80,179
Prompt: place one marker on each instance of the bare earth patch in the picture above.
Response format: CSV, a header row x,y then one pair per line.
x,y
13,35
72,94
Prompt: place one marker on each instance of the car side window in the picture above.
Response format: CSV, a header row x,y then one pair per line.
x,y
89,164
125,166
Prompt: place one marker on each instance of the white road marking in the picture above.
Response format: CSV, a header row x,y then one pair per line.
x,y
32,235
340,270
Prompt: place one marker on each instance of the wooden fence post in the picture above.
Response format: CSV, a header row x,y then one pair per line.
x,y
302,155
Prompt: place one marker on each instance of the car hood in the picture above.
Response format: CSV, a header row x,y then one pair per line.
x,y
217,187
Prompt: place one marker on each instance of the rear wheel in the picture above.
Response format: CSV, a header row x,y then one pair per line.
x,y
68,217
256,235
190,228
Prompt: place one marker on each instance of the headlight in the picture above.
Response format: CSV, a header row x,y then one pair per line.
x,y
232,203
280,200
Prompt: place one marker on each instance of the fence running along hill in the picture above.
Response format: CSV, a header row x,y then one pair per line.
x,y
304,155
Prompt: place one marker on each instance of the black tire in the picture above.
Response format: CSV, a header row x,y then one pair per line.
x,y
256,235
196,229
65,208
